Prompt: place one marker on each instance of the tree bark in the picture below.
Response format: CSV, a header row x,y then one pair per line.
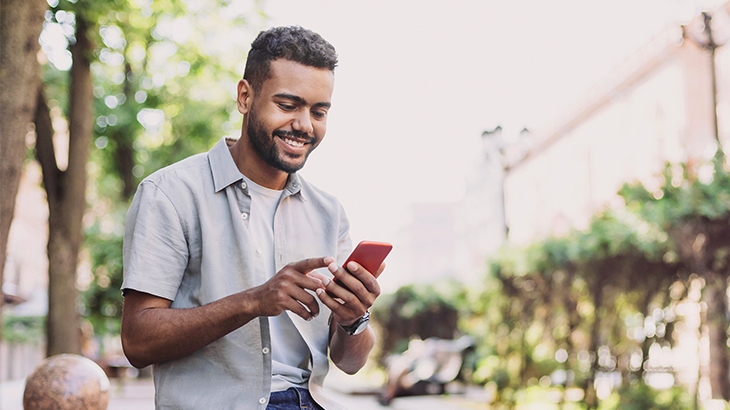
x,y
699,240
124,139
591,399
66,192
21,22
716,320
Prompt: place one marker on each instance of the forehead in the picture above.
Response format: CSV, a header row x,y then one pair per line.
x,y
315,85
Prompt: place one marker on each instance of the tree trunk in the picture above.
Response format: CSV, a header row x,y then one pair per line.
x,y
591,400
66,192
21,22
124,138
717,305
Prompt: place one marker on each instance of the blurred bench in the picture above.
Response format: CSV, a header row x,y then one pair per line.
x,y
426,367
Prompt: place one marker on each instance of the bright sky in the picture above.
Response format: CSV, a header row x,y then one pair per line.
x,y
419,81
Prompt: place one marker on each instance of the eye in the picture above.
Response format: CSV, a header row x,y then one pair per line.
x,y
319,114
286,107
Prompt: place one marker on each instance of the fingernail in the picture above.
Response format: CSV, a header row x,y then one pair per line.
x,y
329,260
319,291
333,267
325,281
352,266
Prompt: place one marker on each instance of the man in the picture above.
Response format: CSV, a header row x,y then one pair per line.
x,y
227,289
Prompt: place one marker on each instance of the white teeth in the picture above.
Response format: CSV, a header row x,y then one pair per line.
x,y
293,143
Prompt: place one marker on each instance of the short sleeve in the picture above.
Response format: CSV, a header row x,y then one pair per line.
x,y
155,246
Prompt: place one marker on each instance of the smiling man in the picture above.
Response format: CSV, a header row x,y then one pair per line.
x,y
229,256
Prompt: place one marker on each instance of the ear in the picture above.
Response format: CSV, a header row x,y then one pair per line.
x,y
244,97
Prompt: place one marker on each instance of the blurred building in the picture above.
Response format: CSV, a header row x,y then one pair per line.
x,y
656,107
431,239
452,240
26,273
669,102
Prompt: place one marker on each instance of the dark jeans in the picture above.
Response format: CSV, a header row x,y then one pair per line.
x,y
292,399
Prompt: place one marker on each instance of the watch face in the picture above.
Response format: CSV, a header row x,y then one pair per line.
x,y
361,325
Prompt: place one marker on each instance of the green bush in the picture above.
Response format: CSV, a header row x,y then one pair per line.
x,y
640,396
24,329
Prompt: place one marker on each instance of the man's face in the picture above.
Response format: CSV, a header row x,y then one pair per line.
x,y
288,115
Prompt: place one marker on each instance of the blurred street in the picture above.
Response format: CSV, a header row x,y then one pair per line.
x,y
138,394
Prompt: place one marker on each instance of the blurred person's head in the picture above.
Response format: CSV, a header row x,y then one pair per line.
x,y
290,43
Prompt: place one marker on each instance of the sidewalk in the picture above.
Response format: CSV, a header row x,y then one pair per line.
x,y
138,394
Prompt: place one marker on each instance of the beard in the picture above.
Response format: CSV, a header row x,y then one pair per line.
x,y
265,145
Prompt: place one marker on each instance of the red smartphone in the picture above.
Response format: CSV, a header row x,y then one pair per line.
x,y
370,255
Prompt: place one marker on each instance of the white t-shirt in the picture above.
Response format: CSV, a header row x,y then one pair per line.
x,y
289,352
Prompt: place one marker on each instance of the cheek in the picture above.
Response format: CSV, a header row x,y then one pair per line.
x,y
273,119
320,129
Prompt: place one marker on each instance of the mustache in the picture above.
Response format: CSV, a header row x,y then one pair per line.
x,y
299,135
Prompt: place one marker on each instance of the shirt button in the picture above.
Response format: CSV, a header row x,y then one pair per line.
x,y
262,400
259,251
265,350
243,185
244,216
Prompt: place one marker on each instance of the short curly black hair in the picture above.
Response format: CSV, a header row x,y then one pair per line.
x,y
291,43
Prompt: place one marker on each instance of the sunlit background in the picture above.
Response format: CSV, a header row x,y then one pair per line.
x,y
486,140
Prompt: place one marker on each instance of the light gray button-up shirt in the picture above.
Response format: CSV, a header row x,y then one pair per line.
x,y
187,240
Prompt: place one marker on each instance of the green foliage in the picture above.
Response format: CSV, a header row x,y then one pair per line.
x,y
102,299
23,329
164,77
700,191
570,294
595,298
639,396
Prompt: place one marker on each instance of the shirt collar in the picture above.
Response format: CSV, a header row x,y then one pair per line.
x,y
225,172
224,169
294,185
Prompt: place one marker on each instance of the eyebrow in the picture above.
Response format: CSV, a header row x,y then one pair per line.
x,y
301,100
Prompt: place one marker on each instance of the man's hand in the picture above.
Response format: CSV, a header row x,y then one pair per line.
x,y
348,304
287,290
349,353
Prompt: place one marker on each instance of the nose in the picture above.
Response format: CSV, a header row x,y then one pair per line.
x,y
303,123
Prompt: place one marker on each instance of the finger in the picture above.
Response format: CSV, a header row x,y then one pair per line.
x,y
358,299
306,280
345,283
335,287
309,281
305,305
364,277
307,265
342,311
380,270
310,302
320,277
301,310
350,288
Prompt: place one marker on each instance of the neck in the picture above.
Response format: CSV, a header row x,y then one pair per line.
x,y
254,168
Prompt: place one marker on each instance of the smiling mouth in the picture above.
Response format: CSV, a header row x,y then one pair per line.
x,y
292,142
294,139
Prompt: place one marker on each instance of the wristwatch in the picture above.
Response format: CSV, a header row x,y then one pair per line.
x,y
358,326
